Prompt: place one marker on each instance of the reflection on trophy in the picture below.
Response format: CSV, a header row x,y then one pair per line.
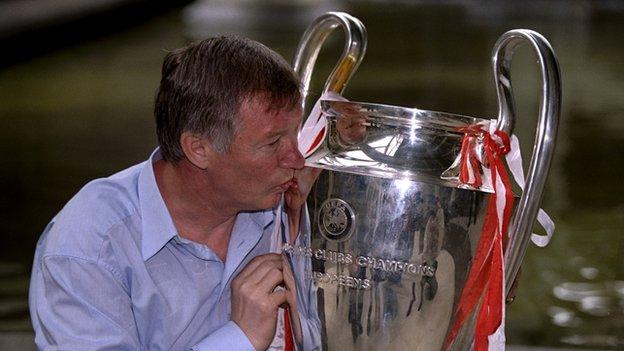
x,y
351,127
396,230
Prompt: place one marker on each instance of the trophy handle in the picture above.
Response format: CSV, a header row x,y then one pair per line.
x,y
310,45
544,145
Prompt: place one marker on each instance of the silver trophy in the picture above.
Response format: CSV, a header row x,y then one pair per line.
x,y
394,232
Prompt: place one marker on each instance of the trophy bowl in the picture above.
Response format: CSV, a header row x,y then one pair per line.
x,y
394,232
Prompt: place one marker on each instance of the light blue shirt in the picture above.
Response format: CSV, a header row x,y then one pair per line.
x,y
111,273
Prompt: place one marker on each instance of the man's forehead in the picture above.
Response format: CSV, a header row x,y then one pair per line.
x,y
272,104
263,110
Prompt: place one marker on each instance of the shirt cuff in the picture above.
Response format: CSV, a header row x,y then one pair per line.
x,y
228,337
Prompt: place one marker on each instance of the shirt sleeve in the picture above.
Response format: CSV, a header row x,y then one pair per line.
x,y
79,304
228,337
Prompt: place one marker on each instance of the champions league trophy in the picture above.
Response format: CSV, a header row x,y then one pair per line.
x,y
410,218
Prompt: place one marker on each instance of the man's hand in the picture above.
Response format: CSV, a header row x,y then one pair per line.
x,y
254,300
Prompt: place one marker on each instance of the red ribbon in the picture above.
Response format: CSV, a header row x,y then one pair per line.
x,y
485,280
317,140
288,336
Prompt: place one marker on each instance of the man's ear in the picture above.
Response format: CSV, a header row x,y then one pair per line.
x,y
198,149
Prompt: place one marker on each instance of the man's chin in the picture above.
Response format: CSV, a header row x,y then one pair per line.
x,y
276,199
269,202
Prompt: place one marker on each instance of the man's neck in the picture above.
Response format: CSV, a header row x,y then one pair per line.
x,y
197,216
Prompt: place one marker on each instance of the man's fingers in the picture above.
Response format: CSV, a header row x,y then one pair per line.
x,y
278,298
270,280
264,271
291,285
258,262
289,279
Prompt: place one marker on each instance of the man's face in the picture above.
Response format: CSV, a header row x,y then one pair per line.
x,y
260,163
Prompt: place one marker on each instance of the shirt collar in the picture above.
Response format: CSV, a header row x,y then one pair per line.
x,y
262,218
156,222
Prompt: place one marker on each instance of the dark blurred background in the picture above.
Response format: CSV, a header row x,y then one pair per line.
x,y
77,84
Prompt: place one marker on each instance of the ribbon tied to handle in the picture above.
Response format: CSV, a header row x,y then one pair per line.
x,y
484,151
473,166
498,144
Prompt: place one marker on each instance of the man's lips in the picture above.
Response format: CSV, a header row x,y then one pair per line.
x,y
286,185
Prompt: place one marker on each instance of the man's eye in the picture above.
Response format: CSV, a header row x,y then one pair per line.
x,y
274,142
271,144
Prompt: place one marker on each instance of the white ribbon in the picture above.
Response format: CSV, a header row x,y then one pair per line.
x,y
497,340
514,161
277,236
277,239
315,125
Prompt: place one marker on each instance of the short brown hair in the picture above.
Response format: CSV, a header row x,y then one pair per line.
x,y
204,84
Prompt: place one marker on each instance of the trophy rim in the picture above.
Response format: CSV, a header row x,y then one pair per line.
x,y
410,117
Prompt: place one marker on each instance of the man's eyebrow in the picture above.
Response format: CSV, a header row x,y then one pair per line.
x,y
279,132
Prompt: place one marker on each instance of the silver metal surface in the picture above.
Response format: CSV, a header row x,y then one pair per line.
x,y
312,41
392,142
546,133
394,284
393,235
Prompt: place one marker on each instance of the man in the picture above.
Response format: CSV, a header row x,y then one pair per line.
x,y
173,253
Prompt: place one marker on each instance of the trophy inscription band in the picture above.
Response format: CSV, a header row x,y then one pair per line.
x,y
339,279
345,258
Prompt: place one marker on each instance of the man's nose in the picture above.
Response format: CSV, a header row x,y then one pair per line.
x,y
291,157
